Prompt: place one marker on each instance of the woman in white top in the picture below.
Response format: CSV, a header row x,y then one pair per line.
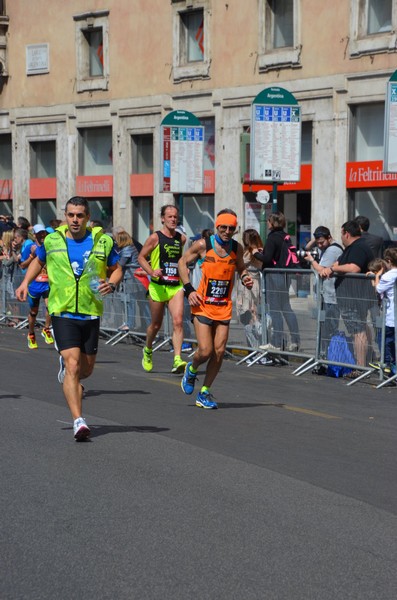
x,y
385,283
248,300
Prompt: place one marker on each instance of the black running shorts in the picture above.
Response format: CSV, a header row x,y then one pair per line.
x,y
76,333
206,321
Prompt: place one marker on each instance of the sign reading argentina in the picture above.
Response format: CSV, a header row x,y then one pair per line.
x,y
182,153
275,137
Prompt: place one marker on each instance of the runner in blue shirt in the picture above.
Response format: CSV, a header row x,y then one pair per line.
x,y
39,288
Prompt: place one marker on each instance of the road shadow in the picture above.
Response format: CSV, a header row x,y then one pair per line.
x,y
92,393
106,362
246,404
99,430
13,396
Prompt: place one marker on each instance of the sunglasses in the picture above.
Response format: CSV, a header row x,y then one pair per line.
x,y
230,228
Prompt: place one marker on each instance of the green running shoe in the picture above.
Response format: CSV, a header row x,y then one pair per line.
x,y
147,362
179,365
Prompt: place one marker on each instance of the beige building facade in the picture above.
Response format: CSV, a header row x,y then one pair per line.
x,y
85,86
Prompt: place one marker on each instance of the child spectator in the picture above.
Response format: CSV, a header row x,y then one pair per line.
x,y
385,278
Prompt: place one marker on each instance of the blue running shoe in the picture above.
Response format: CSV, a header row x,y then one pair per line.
x,y
204,400
188,380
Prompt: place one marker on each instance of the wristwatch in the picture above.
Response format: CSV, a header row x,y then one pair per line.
x,y
113,286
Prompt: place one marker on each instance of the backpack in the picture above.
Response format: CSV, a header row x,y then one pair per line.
x,y
339,351
288,258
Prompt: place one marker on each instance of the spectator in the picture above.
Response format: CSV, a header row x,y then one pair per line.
x,y
196,266
6,245
385,279
277,286
23,223
96,223
6,223
373,268
53,224
248,300
8,267
329,254
128,259
353,296
20,247
375,242
115,230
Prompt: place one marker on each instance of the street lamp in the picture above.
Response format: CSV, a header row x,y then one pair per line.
x,y
263,198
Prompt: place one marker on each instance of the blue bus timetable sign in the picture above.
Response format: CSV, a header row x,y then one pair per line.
x,y
275,137
182,153
390,132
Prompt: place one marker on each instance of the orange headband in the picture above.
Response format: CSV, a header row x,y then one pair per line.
x,y
226,219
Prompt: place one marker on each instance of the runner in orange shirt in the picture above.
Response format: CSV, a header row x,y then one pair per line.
x,y
211,303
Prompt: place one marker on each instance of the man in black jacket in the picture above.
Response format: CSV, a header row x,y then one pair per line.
x,y
375,242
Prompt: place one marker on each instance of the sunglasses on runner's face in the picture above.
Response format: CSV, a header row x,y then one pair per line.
x,y
231,228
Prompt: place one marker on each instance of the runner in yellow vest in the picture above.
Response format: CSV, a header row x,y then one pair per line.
x,y
78,261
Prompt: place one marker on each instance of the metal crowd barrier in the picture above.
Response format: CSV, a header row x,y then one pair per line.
x,y
126,313
311,322
292,321
358,315
13,312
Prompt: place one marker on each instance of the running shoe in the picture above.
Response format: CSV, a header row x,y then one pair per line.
x,y
269,347
188,380
178,365
147,362
262,361
32,344
46,333
187,347
320,370
293,348
80,429
386,369
204,400
61,372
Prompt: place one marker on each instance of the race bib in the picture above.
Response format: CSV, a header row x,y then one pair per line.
x,y
170,272
217,292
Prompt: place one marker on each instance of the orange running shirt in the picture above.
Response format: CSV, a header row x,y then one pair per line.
x,y
216,283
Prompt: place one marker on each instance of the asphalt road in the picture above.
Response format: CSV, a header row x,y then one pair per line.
x,y
288,491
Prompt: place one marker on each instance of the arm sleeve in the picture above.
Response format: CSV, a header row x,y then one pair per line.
x,y
113,257
125,255
386,282
270,253
357,257
330,256
25,252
